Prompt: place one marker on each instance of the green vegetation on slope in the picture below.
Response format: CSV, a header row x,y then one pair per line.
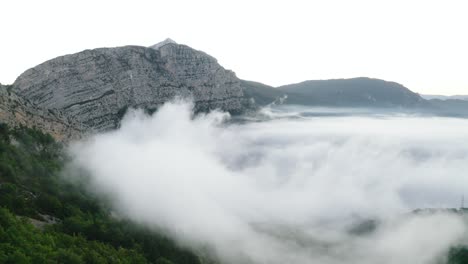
x,y
21,242
80,228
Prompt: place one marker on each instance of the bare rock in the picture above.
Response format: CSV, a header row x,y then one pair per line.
x,y
93,88
16,111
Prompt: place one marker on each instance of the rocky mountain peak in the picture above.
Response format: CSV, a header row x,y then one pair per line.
x,y
162,43
94,88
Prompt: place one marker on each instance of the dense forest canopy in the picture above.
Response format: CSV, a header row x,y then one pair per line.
x,y
45,219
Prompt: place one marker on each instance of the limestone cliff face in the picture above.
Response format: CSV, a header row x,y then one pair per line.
x,y
15,111
94,87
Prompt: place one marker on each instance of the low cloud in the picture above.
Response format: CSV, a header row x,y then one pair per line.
x,y
287,190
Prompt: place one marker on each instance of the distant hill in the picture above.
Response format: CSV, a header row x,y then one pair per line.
x,y
450,107
445,97
355,92
261,93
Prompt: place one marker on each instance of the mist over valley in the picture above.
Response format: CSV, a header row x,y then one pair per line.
x,y
161,155
291,185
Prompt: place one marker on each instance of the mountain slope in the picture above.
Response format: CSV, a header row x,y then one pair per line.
x,y
356,92
91,90
450,107
262,94
16,111
95,87
46,218
445,97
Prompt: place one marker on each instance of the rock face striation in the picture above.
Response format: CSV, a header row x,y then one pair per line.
x,y
95,87
90,91
16,111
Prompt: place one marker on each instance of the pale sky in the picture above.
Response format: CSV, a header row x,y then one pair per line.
x,y
420,44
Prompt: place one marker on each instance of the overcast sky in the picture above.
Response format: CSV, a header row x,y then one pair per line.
x,y
421,44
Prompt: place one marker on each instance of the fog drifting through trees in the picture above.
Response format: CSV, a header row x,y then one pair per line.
x,y
287,189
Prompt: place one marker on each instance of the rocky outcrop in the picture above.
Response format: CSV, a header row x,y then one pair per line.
x,y
95,87
91,90
15,111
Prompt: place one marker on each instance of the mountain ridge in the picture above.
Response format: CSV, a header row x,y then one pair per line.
x,y
360,91
445,97
95,86
90,91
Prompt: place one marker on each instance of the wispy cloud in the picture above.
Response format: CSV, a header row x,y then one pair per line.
x,y
286,190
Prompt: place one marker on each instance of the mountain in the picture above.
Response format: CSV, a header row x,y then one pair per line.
x,y
16,111
90,91
449,107
261,94
445,97
355,92
95,87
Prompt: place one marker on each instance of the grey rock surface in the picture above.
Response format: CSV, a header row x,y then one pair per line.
x,y
16,111
95,87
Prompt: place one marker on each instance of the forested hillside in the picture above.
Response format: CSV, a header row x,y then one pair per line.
x,y
44,219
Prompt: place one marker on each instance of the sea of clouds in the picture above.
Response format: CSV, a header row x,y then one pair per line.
x,y
289,189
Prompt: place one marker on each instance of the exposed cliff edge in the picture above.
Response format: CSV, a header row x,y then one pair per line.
x,y
90,91
95,87
16,111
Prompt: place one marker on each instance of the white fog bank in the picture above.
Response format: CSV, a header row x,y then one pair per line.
x,y
286,190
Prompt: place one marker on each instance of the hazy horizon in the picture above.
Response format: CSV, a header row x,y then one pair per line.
x,y
111,152
419,44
